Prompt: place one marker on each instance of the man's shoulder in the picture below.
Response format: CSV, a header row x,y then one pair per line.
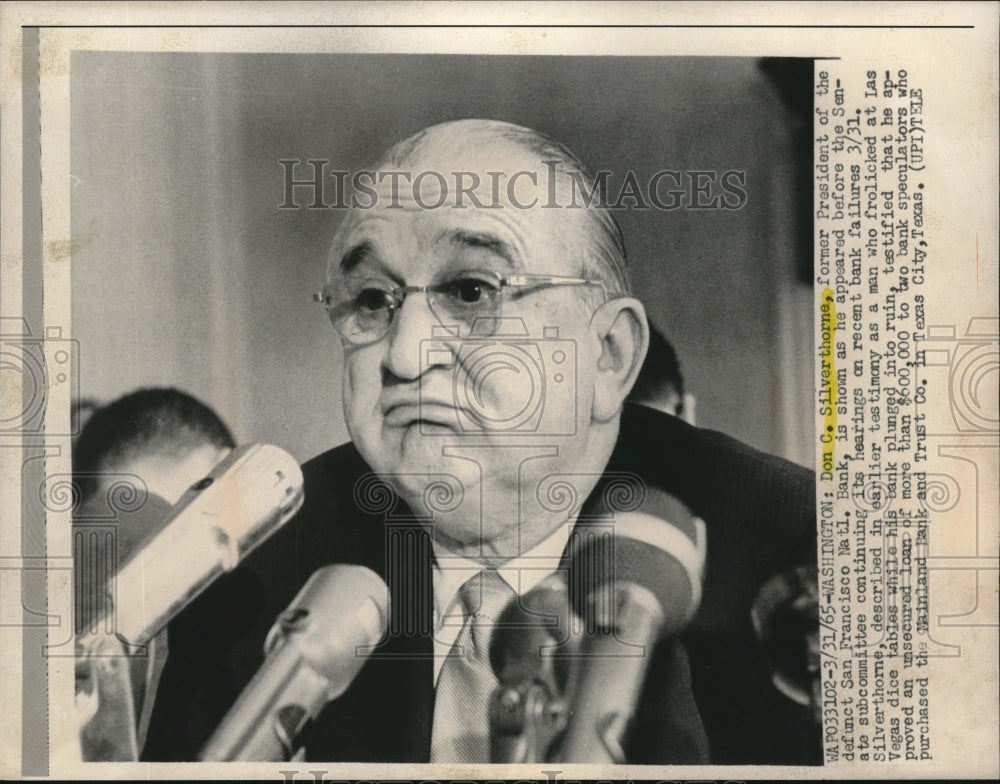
x,y
339,487
697,464
329,527
335,466
340,479
759,510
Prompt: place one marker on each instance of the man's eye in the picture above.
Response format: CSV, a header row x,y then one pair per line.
x,y
372,299
470,291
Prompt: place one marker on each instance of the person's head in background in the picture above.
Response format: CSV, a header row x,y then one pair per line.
x,y
660,384
166,437
168,440
80,412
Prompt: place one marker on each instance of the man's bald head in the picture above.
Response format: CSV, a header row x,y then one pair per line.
x,y
505,166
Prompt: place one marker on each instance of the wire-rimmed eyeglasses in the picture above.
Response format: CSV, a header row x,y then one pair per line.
x,y
362,309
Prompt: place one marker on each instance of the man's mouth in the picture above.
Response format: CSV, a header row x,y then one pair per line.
x,y
422,413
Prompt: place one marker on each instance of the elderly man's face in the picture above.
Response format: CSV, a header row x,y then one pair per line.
x,y
483,406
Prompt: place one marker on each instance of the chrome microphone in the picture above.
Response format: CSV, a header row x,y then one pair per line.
x,y
170,554
251,493
314,651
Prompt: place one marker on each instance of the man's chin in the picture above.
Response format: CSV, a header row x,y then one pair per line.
x,y
419,465
416,459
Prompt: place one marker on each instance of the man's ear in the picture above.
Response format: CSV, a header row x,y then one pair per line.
x,y
621,328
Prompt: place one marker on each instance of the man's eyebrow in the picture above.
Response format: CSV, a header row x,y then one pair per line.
x,y
350,260
476,239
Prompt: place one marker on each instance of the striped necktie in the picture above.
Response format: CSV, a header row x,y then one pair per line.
x,y
461,731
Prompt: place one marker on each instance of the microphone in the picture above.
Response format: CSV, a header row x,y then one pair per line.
x,y
314,651
168,555
110,675
105,536
785,617
534,641
635,578
251,493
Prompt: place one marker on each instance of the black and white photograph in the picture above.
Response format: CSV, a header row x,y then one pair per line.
x,y
471,401
553,293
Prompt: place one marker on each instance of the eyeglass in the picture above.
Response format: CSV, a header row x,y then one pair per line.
x,y
362,309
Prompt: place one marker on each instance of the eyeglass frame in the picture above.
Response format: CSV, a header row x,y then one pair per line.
x,y
398,294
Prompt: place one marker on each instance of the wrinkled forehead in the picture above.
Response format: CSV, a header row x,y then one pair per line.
x,y
498,198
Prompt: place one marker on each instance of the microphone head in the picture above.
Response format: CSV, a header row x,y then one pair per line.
x,y
785,617
335,621
251,493
534,637
657,548
314,651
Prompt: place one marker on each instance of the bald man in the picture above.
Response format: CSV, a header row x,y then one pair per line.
x,y
489,340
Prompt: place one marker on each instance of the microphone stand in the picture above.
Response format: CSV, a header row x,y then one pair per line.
x,y
106,712
526,719
535,639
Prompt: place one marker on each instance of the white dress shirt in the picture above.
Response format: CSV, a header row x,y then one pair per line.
x,y
522,573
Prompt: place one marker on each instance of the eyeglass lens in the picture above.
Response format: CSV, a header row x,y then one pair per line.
x,y
362,309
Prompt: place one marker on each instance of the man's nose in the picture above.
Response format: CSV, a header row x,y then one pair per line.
x,y
415,340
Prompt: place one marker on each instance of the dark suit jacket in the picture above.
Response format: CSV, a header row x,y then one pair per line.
x,y
760,518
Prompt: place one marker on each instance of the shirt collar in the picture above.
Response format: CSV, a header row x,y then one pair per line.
x,y
522,573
